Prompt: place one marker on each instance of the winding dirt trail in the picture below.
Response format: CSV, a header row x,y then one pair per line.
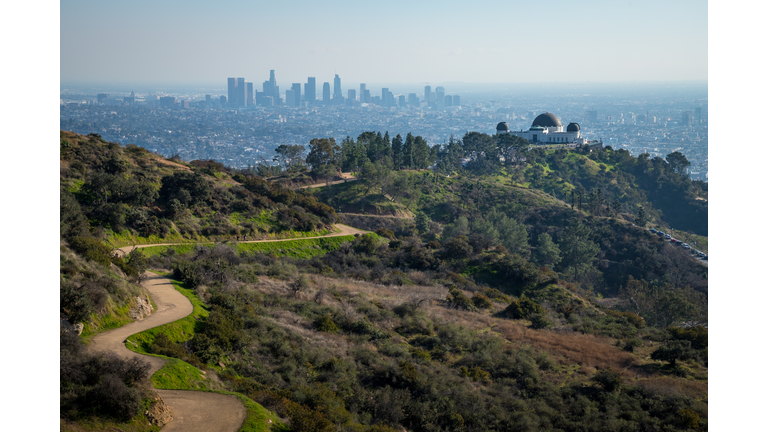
x,y
343,231
192,411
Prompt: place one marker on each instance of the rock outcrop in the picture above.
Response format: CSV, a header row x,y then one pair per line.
x,y
142,309
158,413
64,325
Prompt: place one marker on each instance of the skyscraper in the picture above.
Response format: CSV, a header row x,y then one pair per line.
x,y
413,99
362,93
231,86
241,91
296,87
440,96
249,96
309,91
326,93
351,97
290,98
456,100
427,94
337,89
401,100
448,101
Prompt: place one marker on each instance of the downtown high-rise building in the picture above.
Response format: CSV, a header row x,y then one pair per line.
x,y
413,99
362,93
456,100
401,101
296,87
440,96
427,95
249,95
326,93
290,98
351,97
237,92
310,93
337,89
269,89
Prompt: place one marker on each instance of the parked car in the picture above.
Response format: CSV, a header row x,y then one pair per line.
x,y
653,231
667,236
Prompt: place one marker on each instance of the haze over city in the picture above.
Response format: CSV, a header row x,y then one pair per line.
x,y
191,42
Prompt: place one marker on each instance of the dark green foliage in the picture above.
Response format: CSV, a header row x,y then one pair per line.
x,y
697,335
674,350
539,321
326,324
547,252
523,308
458,300
458,247
608,379
75,302
422,222
98,383
481,302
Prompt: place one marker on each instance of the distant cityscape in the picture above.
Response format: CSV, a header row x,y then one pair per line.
x,y
243,127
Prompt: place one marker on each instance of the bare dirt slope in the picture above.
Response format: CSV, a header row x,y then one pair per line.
x,y
192,411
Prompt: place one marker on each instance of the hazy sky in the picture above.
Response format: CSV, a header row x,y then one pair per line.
x,y
190,42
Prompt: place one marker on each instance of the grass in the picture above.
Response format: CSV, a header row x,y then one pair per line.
x,y
299,248
179,375
177,331
116,316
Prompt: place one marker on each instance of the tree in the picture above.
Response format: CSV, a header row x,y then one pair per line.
x,y
577,249
323,152
460,227
420,153
397,152
678,162
290,156
512,234
642,217
547,252
422,222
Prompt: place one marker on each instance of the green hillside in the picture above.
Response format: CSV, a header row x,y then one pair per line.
x,y
485,300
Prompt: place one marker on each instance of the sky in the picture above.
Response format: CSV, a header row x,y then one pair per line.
x,y
203,42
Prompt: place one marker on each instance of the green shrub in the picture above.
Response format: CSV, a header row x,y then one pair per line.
x,y
326,324
608,379
457,299
539,321
481,302
523,308
696,335
476,373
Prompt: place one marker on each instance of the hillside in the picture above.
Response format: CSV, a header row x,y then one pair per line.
x,y
496,306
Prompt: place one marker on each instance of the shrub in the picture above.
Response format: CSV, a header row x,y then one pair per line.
x,y
696,335
608,379
523,308
75,302
112,397
476,373
326,324
481,302
299,284
674,350
540,321
458,300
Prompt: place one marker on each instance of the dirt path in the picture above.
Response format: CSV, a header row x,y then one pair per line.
x,y
317,185
192,411
343,231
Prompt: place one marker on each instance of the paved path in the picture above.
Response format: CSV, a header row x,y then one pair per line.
x,y
192,411
343,230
